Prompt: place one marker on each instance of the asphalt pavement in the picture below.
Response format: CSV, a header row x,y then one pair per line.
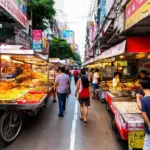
x,y
49,132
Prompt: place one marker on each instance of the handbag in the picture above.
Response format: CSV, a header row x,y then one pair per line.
x,y
84,93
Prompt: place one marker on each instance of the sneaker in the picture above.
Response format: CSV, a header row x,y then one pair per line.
x,y
60,115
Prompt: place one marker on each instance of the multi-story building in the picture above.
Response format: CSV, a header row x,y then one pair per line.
x,y
119,20
13,19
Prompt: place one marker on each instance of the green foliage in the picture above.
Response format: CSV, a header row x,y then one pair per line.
x,y
41,9
59,48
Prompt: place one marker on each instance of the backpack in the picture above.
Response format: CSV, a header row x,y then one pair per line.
x,y
75,73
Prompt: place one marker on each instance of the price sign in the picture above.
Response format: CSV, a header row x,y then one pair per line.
x,y
136,139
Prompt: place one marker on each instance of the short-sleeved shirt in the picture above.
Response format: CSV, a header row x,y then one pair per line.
x,y
140,91
146,108
95,77
62,81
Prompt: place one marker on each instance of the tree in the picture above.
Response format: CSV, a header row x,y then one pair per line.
x,y
41,9
59,48
77,58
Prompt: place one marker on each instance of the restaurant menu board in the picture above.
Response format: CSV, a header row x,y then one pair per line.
x,y
136,139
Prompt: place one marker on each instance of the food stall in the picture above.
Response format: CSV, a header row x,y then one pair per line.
x,y
24,88
131,56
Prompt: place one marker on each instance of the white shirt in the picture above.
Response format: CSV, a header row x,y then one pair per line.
x,y
95,77
115,82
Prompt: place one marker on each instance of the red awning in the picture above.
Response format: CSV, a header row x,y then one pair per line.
x,y
138,44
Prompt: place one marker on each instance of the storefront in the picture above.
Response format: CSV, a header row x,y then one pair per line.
x,y
130,56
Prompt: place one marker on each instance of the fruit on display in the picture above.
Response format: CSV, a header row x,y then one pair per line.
x,y
127,107
32,97
12,94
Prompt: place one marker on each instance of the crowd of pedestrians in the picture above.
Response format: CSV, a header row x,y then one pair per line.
x,y
85,79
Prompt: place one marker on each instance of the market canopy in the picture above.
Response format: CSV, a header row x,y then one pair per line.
x,y
132,45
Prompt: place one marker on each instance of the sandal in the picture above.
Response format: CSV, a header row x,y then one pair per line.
x,y
81,119
85,121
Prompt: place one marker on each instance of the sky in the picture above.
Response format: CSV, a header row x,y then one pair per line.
x,y
77,12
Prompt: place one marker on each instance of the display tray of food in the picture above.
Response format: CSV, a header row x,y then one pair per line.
x,y
127,107
31,98
12,95
39,90
122,92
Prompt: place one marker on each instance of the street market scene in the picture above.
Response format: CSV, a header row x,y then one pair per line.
x,y
75,75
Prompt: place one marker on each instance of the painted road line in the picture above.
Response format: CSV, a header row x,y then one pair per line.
x,y
73,129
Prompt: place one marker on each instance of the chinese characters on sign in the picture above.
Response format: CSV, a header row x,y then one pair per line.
x,y
136,10
136,139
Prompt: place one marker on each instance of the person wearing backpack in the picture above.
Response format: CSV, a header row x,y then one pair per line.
x,y
76,75
82,89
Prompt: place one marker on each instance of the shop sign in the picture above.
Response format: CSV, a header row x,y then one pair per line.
x,y
136,11
45,44
114,51
6,51
91,34
37,40
136,139
11,7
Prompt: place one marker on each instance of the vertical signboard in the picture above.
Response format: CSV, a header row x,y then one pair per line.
x,y
69,36
37,40
136,10
102,11
91,33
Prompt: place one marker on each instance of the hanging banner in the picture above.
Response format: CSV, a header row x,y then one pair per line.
x,y
136,10
91,34
11,7
37,40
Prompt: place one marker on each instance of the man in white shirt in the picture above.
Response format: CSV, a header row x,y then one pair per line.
x,y
95,82
63,85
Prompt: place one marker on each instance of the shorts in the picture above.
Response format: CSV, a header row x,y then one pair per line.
x,y
147,142
84,101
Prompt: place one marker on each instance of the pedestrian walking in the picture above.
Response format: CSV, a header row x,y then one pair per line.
x,y
86,72
95,83
82,89
68,72
90,77
63,84
76,75
144,105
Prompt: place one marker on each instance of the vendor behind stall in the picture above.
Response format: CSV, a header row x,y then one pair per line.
x,y
18,71
116,79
